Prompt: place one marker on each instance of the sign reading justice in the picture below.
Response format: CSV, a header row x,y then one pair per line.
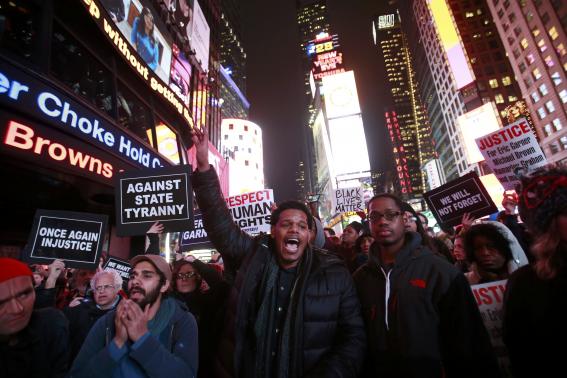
x,y
75,238
144,197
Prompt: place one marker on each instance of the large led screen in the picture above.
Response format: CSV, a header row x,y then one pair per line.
x,y
473,125
348,145
341,97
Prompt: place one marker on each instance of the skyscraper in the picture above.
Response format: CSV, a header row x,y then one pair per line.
x,y
406,117
534,36
232,53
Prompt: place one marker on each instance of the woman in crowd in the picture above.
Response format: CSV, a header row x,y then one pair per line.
x,y
535,306
143,38
362,247
459,255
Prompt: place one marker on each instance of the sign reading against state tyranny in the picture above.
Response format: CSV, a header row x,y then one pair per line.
x,y
490,300
349,199
512,147
197,238
252,211
464,195
121,267
144,197
75,238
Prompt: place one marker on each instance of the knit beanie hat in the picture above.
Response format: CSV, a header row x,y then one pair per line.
x,y
12,268
543,195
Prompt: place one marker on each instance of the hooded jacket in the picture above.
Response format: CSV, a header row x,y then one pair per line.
x,y
421,317
519,258
327,341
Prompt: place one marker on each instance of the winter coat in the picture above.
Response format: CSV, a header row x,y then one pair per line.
x,y
41,349
172,354
328,342
431,326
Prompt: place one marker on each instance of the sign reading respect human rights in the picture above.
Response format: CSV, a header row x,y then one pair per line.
x,y
252,212
144,197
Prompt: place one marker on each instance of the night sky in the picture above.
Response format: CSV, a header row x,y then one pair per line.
x,y
275,82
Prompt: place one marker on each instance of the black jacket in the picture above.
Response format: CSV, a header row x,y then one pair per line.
x,y
41,349
330,340
434,327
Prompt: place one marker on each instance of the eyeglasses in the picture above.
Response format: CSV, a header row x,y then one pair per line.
x,y
100,289
375,216
185,276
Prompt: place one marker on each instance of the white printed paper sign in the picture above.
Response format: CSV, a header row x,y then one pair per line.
x,y
252,212
349,199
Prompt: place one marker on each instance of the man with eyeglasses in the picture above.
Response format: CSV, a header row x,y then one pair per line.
x,y
421,316
83,312
148,335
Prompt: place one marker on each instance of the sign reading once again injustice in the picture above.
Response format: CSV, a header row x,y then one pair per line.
x,y
75,238
144,197
464,195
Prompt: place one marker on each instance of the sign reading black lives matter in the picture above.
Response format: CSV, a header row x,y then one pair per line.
x,y
349,199
464,195
121,267
75,238
147,196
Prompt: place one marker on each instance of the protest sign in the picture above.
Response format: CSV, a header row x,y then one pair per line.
x,y
121,267
490,298
464,195
348,199
252,211
144,197
510,148
75,238
196,238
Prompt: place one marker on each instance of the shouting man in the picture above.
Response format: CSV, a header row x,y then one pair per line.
x,y
293,310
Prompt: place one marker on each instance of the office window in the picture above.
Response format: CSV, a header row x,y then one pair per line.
x,y
543,89
549,61
561,49
535,97
557,124
541,45
563,142
553,148
493,83
550,107
524,43
541,112
506,81
536,73
512,98
535,32
556,78
553,33
547,130
563,96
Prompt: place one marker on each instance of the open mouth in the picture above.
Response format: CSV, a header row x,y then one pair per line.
x,y
291,244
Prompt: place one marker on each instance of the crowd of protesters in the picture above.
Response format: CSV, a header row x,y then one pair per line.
x,y
387,298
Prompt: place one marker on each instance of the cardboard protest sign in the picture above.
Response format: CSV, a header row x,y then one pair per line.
x,y
196,238
144,197
490,298
512,147
464,195
122,267
348,199
75,238
252,211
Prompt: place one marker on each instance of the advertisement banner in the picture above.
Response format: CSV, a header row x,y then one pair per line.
x,y
144,197
464,195
200,36
252,211
341,97
490,298
349,199
75,238
197,238
510,148
121,267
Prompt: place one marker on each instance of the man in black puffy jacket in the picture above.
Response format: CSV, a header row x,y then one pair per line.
x,y
293,309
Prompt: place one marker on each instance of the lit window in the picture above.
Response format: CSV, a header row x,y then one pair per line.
x,y
506,80
542,46
547,130
561,49
563,142
553,33
549,61
469,14
493,83
550,107
503,113
535,32
557,124
556,78
524,43
530,58
543,89
536,73
563,96
535,97
512,98
541,112
499,99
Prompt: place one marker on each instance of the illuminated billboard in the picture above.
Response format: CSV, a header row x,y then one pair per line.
x,y
348,145
451,42
475,124
200,36
341,97
326,58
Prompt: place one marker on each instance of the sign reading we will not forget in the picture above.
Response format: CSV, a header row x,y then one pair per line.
x,y
75,238
514,146
349,199
146,196
252,212
464,195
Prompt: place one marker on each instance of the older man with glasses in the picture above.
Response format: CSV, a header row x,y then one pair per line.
x,y
421,316
83,312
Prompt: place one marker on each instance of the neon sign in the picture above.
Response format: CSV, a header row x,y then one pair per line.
x,y
386,21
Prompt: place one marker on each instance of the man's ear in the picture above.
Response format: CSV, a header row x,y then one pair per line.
x,y
165,287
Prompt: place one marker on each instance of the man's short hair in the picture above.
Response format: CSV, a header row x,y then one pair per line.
x,y
116,279
287,205
393,197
